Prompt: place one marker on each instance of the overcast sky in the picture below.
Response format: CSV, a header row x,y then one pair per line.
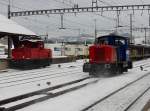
x,y
83,21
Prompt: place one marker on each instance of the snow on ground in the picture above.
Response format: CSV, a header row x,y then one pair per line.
x,y
9,71
138,106
79,99
73,101
26,82
121,100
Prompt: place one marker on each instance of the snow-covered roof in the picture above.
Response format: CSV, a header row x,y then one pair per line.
x,y
11,27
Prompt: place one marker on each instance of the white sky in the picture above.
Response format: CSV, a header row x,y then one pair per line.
x,y
83,21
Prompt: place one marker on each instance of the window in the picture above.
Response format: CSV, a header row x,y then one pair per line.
x,y
119,42
57,49
68,49
79,49
102,41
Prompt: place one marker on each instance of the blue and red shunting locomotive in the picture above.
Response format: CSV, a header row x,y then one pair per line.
x,y
30,53
109,55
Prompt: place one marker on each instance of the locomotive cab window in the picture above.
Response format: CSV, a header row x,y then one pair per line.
x,y
119,42
102,41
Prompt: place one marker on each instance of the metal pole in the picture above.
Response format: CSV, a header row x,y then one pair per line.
x,y
131,37
94,2
9,39
95,29
118,19
116,25
145,35
62,21
9,10
61,48
149,37
149,19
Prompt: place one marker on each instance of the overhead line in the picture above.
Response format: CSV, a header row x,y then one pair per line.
x,y
54,17
81,10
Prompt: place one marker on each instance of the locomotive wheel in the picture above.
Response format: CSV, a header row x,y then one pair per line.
x,y
107,74
93,74
125,70
119,71
114,71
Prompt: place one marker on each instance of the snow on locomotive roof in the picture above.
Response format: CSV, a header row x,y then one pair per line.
x,y
114,35
31,38
118,34
11,27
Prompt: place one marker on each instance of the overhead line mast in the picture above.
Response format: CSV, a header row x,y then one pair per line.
x,y
95,22
78,9
131,37
9,38
81,10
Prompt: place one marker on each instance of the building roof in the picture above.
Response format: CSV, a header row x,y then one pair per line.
x,y
10,27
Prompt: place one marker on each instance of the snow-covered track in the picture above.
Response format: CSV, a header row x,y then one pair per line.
x,y
18,74
143,65
40,78
44,94
105,100
136,99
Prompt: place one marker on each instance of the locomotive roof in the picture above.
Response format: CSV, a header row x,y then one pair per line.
x,y
8,27
31,38
114,36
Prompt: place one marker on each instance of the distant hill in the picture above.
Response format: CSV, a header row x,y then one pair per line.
x,y
72,39
90,39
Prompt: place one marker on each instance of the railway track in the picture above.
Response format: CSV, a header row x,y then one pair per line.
x,y
6,76
12,75
112,98
51,93
143,65
37,76
136,99
23,77
37,79
44,94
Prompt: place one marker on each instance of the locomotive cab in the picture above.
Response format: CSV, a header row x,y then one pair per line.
x,y
109,55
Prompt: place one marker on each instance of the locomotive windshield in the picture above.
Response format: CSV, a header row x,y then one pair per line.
x,y
119,42
101,41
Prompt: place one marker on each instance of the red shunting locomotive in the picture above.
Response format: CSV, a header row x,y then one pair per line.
x,y
30,53
108,56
